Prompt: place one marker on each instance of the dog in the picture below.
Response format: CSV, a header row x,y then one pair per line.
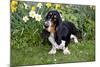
x,y
58,32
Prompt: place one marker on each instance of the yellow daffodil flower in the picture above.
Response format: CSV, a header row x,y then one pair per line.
x,y
58,6
48,5
33,8
39,5
32,14
38,17
14,6
14,3
13,9
25,18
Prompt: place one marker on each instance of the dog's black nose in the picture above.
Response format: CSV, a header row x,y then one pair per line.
x,y
46,26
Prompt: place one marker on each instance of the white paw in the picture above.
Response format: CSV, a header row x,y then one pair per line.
x,y
66,51
56,46
52,51
60,47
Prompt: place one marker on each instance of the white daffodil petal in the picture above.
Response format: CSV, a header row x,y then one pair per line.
x,y
26,6
32,14
38,17
39,5
25,18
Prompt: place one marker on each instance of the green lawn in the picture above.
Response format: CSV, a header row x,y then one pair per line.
x,y
81,52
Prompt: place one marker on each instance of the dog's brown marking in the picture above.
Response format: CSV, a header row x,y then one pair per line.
x,y
52,27
55,16
54,19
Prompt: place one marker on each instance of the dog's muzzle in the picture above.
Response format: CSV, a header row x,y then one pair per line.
x,y
47,23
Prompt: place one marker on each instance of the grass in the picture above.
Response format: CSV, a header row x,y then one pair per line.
x,y
81,52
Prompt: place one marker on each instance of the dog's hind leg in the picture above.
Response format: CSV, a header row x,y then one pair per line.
x,y
65,49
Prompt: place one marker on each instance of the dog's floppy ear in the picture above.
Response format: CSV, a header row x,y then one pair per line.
x,y
59,19
58,34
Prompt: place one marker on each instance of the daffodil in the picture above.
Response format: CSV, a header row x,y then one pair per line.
x,y
26,6
39,5
58,6
33,8
32,14
25,18
38,17
48,5
14,4
13,9
92,7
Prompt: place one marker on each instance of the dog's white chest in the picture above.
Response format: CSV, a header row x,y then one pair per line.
x,y
52,40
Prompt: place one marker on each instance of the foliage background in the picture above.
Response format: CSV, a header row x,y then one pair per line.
x,y
25,36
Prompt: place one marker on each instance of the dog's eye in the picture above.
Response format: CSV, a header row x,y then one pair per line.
x,y
50,13
48,16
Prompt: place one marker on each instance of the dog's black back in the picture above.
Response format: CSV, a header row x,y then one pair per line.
x,y
64,31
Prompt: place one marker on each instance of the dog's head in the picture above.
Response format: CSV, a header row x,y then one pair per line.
x,y
52,20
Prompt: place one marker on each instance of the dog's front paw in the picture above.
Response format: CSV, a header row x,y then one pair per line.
x,y
52,51
66,51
